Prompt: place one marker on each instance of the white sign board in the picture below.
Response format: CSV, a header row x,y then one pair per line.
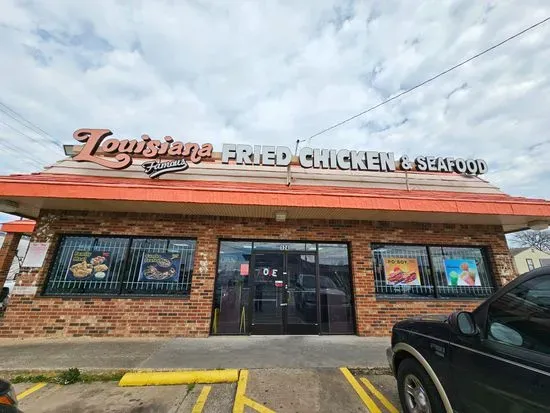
x,y
36,254
18,290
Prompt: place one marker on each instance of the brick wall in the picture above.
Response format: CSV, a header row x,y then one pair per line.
x,y
34,316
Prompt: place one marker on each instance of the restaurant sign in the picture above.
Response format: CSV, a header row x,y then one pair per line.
x,y
169,155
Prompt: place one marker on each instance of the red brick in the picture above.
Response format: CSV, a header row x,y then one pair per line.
x,y
170,317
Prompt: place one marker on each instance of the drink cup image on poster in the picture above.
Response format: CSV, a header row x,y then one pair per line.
x,y
89,265
462,272
401,271
160,266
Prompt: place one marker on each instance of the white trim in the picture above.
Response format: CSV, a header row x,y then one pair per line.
x,y
480,352
440,390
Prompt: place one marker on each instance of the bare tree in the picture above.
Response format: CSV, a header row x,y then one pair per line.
x,y
536,239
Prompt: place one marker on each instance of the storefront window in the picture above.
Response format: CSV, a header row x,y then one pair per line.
x,y
146,276
402,270
231,292
461,272
335,289
121,266
442,272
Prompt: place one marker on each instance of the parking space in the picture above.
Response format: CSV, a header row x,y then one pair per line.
x,y
320,390
108,397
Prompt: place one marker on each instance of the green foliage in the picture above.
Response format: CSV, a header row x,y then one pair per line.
x,y
103,377
31,378
69,376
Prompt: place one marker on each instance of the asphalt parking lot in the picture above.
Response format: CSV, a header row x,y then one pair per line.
x,y
258,390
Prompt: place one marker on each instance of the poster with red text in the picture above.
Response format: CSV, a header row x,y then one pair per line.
x,y
401,271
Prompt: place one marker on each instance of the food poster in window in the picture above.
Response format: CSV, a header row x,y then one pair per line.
x,y
401,271
160,266
89,265
462,273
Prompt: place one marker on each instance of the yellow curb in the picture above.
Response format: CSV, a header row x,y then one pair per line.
x,y
161,378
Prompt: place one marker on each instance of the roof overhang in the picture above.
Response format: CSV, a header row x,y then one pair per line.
x,y
34,193
22,226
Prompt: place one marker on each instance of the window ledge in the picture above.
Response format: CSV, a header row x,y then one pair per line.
x,y
116,297
428,299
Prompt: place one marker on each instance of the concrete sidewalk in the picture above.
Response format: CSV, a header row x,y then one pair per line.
x,y
194,353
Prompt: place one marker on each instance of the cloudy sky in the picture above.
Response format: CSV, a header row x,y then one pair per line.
x,y
268,72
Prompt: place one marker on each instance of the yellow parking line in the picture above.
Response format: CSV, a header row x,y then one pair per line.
x,y
371,405
257,406
387,404
24,394
238,406
199,405
241,400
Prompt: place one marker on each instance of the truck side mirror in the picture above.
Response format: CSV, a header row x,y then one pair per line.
x,y
464,323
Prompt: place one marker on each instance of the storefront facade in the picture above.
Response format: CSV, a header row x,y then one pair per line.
x,y
223,248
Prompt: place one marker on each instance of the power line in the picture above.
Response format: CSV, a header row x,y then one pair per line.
x,y
427,80
25,156
24,134
27,123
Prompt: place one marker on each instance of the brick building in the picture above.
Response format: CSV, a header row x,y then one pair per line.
x,y
222,245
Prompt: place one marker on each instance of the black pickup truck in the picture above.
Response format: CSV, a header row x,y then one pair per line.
x,y
8,399
494,359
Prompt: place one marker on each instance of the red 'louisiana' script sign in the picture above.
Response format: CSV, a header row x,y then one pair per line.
x,y
94,139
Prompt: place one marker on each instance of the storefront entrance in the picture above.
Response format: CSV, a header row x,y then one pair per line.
x,y
284,293
283,288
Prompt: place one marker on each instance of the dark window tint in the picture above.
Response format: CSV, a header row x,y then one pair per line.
x,y
307,281
232,288
73,270
121,266
145,276
522,316
335,293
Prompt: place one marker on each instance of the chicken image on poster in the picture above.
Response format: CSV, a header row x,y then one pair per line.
x,y
401,271
462,273
88,265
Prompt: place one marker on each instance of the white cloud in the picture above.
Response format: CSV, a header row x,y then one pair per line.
x,y
269,72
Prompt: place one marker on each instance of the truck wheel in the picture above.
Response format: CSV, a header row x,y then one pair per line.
x,y
417,392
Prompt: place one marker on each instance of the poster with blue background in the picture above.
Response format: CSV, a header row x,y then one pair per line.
x,y
160,266
462,273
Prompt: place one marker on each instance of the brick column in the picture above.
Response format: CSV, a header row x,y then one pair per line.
x,y
7,253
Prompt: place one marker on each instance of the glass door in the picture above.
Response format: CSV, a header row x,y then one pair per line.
x,y
269,296
278,287
303,297
285,293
